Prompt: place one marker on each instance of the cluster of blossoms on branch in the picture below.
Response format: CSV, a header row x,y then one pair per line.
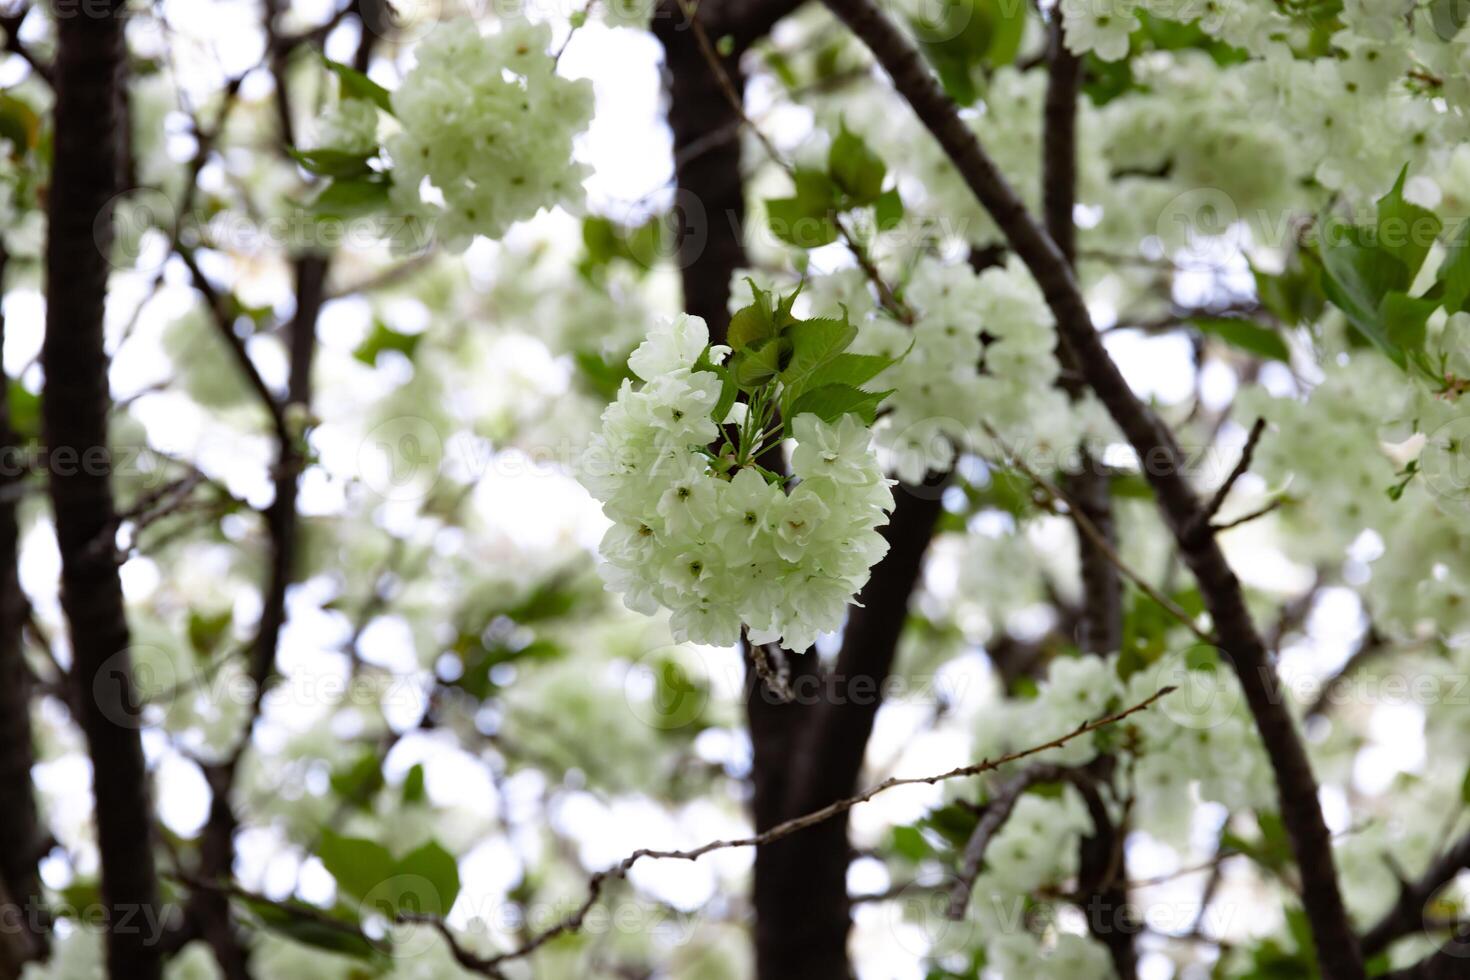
x,y
715,535
483,138
489,124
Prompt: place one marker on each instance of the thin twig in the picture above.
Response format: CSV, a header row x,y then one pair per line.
x,y
490,966
1259,512
1100,541
1244,464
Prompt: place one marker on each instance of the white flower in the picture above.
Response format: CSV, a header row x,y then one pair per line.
x,y
839,453
1098,26
671,345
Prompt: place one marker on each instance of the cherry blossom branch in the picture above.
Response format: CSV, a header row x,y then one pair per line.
x,y
1164,465
1244,464
1407,914
90,68
490,966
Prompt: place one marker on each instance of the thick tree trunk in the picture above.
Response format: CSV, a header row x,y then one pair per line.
x,y
803,908
89,71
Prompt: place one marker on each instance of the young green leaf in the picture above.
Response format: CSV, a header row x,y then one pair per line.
x,y
830,402
756,365
1405,230
356,85
753,322
352,197
855,167
794,222
1454,272
888,210
327,162
359,865
426,881
1249,337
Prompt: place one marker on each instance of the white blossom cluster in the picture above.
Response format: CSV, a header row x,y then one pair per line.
x,y
489,124
719,551
979,352
1326,454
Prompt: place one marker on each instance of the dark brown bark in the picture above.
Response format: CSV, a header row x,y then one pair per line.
x,y
708,216
89,72
1408,913
20,826
1164,465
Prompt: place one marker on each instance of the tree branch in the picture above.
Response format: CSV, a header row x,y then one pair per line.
x,y
1407,914
1244,464
89,75
490,966
1164,465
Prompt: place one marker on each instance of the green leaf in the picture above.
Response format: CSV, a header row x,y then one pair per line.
x,y
1448,17
352,197
413,785
970,35
605,241
756,365
327,162
1295,296
1405,230
1465,787
359,865
728,392
888,209
806,218
855,167
1009,27
206,630
19,123
909,843
752,323
1355,278
830,402
853,369
428,881
357,782
792,221
356,85
956,43
384,337
1403,318
814,345
1454,272
308,925
1246,335
25,411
